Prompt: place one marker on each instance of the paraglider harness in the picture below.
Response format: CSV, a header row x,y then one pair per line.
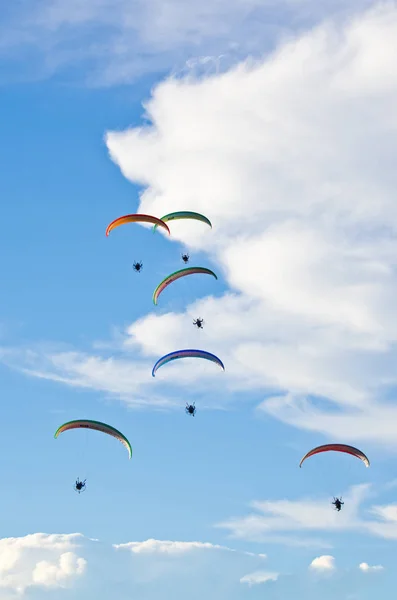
x,y
79,486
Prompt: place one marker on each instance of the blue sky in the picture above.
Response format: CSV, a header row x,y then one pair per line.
x,y
278,123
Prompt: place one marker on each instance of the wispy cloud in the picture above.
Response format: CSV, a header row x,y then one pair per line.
x,y
117,40
366,568
169,547
128,380
302,517
258,577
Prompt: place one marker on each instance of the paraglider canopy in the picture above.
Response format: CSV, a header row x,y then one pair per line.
x,y
184,214
188,353
96,426
136,218
177,275
337,448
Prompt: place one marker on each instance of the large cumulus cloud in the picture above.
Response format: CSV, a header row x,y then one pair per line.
x,y
39,561
292,158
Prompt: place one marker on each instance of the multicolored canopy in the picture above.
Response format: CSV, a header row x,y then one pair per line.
x,y
177,275
97,426
337,448
184,214
136,218
188,353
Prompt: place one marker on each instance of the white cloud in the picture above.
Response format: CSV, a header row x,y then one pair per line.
x,y
301,192
167,547
323,563
278,520
118,377
259,577
42,563
56,575
367,568
40,560
152,546
293,196
118,40
387,513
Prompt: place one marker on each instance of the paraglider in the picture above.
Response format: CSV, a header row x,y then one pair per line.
x,y
188,353
199,323
79,486
136,218
137,266
184,214
185,258
190,409
337,448
96,426
177,275
338,503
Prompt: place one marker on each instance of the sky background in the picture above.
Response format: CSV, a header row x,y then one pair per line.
x,y
278,121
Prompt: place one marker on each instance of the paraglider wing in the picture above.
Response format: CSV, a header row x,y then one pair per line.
x,y
184,214
177,275
97,426
189,353
337,448
136,218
